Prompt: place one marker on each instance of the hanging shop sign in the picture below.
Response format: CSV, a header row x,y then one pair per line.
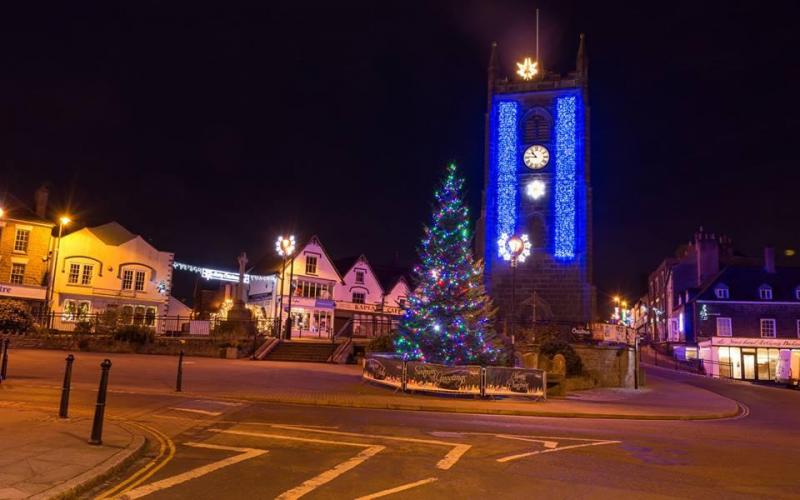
x,y
501,381
755,342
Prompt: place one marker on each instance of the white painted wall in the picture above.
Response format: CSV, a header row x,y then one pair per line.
x,y
371,286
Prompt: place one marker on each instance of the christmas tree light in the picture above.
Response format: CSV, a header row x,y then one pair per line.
x,y
448,318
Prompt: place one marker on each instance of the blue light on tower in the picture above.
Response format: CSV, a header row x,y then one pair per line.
x,y
565,182
506,167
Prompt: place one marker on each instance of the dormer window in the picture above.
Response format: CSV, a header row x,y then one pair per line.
x,y
360,277
797,293
722,292
765,292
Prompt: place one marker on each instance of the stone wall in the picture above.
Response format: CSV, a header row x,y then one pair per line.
x,y
608,366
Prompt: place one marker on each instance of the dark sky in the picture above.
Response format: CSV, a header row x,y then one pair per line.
x,y
211,129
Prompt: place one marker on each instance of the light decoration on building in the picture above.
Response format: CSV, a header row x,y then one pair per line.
x,y
535,189
216,274
506,167
527,69
704,312
565,177
505,243
284,245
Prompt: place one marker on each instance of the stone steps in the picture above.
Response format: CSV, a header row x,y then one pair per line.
x,y
301,351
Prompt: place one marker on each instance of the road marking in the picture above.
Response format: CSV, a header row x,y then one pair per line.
x,y
398,489
164,449
445,463
156,468
223,403
547,444
246,454
550,450
329,475
193,410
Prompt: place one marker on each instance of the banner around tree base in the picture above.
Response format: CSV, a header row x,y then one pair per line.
x,y
488,381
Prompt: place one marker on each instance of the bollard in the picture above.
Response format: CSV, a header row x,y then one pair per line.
x,y
100,408
64,408
179,381
4,366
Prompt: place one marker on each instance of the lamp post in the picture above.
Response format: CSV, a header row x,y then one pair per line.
x,y
514,249
62,221
285,247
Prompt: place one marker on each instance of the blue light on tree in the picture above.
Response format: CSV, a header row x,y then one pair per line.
x,y
565,177
506,167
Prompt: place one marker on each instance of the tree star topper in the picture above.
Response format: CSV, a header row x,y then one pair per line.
x,y
527,69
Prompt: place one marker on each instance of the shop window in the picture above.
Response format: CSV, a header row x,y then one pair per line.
x,y
724,327
86,275
127,279
768,328
76,310
17,273
359,297
150,316
765,292
21,240
74,273
138,315
722,292
360,277
311,264
126,315
139,282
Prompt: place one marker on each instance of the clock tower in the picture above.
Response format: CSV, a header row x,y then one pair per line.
x,y
537,183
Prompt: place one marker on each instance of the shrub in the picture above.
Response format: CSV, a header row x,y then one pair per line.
x,y
384,343
553,346
83,327
134,334
15,317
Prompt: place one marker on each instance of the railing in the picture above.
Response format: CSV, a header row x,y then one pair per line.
x,y
367,328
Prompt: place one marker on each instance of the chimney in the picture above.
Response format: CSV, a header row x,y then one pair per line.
x,y
40,199
707,254
769,260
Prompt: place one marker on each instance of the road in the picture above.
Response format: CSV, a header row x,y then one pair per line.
x,y
222,448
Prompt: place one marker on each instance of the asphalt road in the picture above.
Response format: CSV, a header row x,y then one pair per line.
x,y
213,448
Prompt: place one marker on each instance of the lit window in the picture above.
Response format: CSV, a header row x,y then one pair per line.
x,y
402,303
724,327
86,276
768,328
17,273
127,279
765,293
359,276
311,264
138,315
722,292
21,240
75,310
74,273
139,283
126,317
359,297
150,316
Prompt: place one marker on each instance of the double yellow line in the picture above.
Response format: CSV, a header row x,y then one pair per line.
x,y
165,453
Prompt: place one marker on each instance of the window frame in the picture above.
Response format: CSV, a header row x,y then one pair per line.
x,y
20,276
312,264
74,274
360,274
768,321
138,284
765,292
127,279
86,274
722,292
361,294
723,320
22,242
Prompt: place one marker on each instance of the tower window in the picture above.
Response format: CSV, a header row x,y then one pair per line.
x,y
536,129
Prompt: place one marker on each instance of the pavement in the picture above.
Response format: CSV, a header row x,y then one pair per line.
x,y
236,419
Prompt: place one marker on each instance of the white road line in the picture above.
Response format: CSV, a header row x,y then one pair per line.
x,y
523,455
202,412
448,461
398,489
289,438
547,444
330,474
246,454
215,402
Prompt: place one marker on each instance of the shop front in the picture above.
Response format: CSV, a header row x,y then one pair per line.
x,y
761,359
367,320
311,318
33,296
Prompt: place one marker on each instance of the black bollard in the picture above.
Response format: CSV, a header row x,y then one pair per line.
x,y
4,366
64,408
100,407
179,381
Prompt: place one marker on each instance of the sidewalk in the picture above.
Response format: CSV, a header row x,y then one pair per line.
x,y
342,386
47,457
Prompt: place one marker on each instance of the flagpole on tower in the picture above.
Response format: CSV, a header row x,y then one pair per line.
x,y
537,36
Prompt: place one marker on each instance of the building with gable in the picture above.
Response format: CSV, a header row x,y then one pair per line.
x,y
109,269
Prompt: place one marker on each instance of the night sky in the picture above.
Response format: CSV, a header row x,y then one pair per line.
x,y
210,130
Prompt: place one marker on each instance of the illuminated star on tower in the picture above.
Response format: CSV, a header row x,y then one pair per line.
x,y
527,69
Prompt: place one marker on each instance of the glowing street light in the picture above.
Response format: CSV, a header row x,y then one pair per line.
x,y
285,246
1,211
62,221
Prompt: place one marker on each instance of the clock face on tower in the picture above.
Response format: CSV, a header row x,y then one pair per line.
x,y
536,157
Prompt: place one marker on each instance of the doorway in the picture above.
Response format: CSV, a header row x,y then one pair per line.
x,y
749,362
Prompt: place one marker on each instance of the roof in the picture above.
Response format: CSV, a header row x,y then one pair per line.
x,y
743,283
112,233
389,275
345,264
15,209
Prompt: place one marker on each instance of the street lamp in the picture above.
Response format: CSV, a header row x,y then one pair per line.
x,y
62,221
514,249
285,247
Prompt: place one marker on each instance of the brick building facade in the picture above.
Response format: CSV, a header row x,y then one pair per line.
x,y
537,183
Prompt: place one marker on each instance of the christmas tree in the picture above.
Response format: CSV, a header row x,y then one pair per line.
x,y
449,316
